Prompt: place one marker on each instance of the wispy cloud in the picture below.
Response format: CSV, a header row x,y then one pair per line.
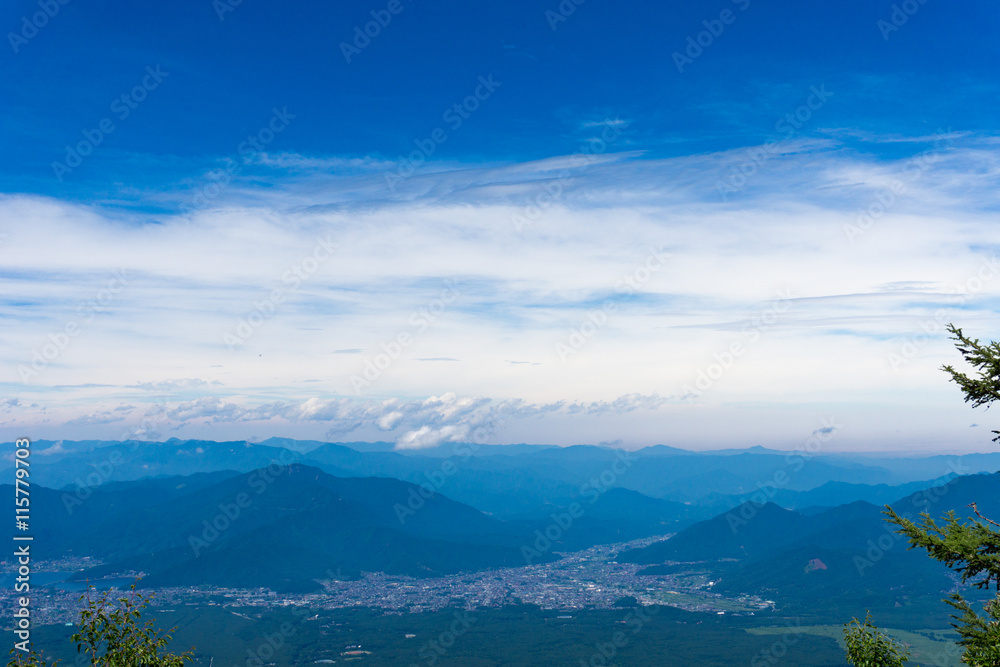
x,y
522,292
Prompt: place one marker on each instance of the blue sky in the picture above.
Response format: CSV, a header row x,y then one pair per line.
x,y
570,213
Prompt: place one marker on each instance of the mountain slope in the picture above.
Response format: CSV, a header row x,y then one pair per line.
x,y
847,553
279,527
744,531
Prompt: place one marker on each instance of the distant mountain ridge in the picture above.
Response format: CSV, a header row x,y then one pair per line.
x,y
844,551
298,518
484,476
283,529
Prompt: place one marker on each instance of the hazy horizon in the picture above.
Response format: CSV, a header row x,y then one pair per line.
x,y
739,221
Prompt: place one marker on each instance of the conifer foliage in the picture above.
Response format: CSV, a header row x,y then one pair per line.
x,y
971,548
110,633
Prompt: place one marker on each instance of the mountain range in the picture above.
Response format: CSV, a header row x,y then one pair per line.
x,y
511,480
846,552
287,514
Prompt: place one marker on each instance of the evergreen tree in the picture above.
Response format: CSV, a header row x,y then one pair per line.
x,y
867,646
970,548
984,388
113,635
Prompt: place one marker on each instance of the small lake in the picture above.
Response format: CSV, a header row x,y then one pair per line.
x,y
56,580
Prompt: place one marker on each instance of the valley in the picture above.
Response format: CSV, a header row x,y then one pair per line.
x,y
331,536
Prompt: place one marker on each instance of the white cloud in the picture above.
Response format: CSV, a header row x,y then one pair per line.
x,y
54,449
195,278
